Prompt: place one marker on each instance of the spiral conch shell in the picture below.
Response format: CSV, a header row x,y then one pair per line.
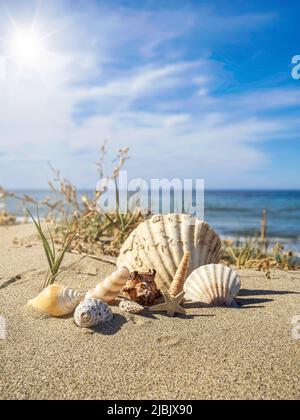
x,y
214,284
108,290
180,276
57,300
161,242
91,313
141,288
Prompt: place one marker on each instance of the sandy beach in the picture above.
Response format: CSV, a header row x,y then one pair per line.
x,y
212,353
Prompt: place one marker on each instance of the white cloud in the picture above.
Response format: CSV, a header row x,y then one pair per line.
x,y
164,109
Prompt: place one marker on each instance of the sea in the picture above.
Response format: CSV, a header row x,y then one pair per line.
x,y
233,214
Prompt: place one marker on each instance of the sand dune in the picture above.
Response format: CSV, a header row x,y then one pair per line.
x,y
211,353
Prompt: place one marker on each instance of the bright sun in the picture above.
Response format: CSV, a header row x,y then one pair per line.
x,y
27,47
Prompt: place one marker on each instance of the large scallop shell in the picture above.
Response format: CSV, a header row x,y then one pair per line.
x,y
91,313
161,242
214,284
57,300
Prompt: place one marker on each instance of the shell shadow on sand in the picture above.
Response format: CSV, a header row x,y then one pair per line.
x,y
110,328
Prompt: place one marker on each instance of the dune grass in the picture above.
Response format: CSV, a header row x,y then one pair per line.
x,y
54,257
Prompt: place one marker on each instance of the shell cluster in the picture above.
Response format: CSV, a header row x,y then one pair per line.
x,y
57,300
214,284
184,252
91,313
161,242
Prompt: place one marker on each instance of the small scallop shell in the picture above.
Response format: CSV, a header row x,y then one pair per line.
x,y
91,313
214,284
161,242
131,307
108,290
57,300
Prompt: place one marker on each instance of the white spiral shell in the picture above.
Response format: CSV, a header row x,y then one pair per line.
x,y
57,300
160,243
214,284
110,287
91,313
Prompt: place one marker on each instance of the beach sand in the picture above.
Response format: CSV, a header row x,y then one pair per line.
x,y
212,353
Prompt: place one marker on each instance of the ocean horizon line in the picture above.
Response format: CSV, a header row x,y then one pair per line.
x,y
205,190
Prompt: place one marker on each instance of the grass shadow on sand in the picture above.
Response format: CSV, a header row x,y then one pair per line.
x,y
249,300
252,303
11,281
246,292
241,304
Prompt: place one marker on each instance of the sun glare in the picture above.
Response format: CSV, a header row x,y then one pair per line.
x,y
27,47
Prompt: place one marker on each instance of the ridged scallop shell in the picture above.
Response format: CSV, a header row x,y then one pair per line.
x,y
161,242
57,300
91,313
109,288
214,284
131,307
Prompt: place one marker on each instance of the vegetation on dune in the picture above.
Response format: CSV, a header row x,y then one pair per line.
x,y
54,257
252,253
95,232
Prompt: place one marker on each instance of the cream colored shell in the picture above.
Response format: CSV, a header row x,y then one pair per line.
x,y
109,288
160,243
131,307
180,276
57,300
214,284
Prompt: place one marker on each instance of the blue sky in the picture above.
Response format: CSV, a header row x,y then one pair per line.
x,y
196,89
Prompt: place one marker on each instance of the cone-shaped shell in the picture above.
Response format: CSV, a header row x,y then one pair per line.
x,y
131,307
180,276
91,313
214,284
57,300
161,242
109,288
